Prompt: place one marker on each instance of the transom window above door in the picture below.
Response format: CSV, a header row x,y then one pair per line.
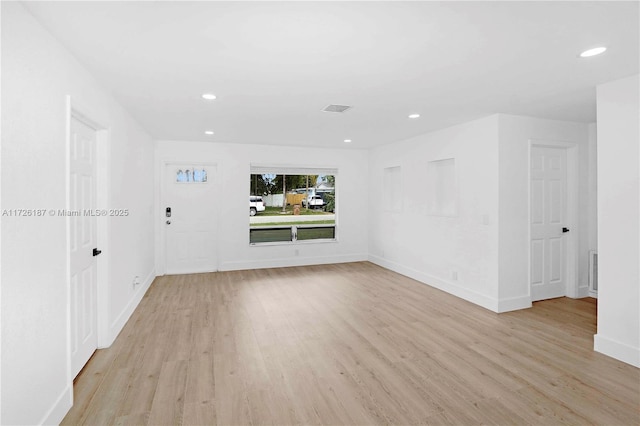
x,y
191,175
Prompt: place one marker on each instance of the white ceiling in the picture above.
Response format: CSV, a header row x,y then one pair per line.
x,y
275,65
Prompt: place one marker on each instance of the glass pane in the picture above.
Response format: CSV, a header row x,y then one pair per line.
x,y
191,175
316,233
269,235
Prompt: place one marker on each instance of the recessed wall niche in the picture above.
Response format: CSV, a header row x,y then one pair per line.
x,y
442,188
392,189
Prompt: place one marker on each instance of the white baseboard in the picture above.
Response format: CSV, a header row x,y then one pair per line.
x,y
617,350
60,408
291,261
583,291
118,324
514,303
439,283
188,271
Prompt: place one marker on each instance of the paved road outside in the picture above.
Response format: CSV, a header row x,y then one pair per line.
x,y
290,218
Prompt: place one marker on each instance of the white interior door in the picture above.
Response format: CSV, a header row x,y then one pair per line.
x,y
548,222
83,227
190,230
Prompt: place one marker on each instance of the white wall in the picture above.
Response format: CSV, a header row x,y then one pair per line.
x,y
487,242
516,132
431,248
619,220
592,203
233,168
37,76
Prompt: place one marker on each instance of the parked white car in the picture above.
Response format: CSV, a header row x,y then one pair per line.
x,y
314,201
255,205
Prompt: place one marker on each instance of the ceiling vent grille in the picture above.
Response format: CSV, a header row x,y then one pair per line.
x,y
336,108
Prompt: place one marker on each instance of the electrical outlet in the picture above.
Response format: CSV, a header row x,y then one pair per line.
x,y
297,252
454,275
136,281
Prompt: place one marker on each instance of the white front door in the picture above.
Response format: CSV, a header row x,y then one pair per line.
x,y
82,192
548,221
190,218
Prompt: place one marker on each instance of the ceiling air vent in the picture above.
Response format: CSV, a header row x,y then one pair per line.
x,y
336,108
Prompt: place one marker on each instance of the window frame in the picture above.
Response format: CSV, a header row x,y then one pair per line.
x,y
300,171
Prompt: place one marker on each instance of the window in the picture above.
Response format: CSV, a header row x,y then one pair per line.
x,y
288,205
442,187
192,175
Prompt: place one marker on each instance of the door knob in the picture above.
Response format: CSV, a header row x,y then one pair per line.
x,y
565,230
96,251
168,222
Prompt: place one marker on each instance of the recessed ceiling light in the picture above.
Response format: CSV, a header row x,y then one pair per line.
x,y
414,115
593,52
208,96
208,132
347,140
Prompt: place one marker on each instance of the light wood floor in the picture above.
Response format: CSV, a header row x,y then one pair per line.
x,y
349,344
